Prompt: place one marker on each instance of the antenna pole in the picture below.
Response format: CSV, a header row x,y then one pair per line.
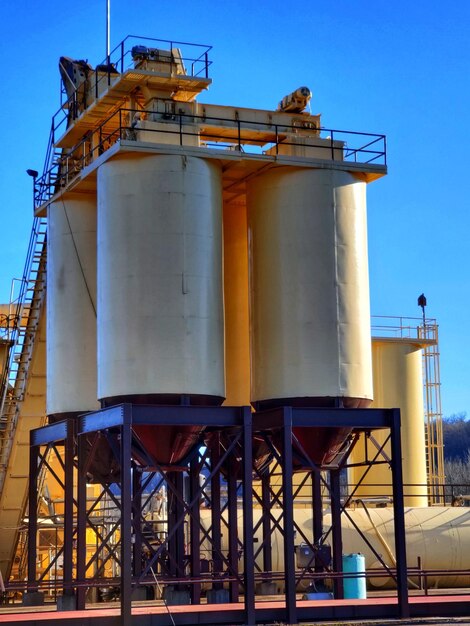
x,y
108,27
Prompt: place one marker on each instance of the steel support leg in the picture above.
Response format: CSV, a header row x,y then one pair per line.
x,y
33,516
317,505
399,517
232,528
288,517
137,522
195,530
336,531
175,520
81,522
126,520
68,507
266,522
217,562
249,557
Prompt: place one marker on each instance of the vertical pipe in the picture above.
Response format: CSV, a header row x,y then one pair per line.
x,y
288,516
195,529
399,516
336,532
248,549
33,515
126,522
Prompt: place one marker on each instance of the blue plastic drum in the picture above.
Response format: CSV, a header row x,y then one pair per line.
x,y
354,586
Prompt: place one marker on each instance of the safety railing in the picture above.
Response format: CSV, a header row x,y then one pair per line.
x,y
194,59
428,330
25,308
397,327
265,140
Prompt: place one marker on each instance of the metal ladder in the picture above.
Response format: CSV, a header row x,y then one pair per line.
x,y
25,313
433,413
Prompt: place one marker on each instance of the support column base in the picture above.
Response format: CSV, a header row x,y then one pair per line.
x,y
143,593
175,597
33,598
218,596
67,602
267,589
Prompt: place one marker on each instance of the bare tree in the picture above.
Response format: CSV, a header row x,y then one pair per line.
x,y
458,480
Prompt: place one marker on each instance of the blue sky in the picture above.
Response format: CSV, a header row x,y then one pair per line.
x,y
398,68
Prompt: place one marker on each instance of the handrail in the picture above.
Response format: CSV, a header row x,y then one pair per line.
x,y
118,127
404,327
119,59
20,314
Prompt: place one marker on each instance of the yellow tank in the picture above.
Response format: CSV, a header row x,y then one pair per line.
x,y
71,305
309,286
237,323
160,286
440,536
398,383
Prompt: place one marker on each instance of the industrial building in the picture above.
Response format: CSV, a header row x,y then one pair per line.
x,y
200,422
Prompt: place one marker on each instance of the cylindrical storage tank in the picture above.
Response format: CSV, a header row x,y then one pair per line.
x,y
160,288
71,305
236,298
354,585
398,383
438,536
309,286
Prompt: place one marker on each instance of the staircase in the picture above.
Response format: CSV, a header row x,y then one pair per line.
x,y
26,310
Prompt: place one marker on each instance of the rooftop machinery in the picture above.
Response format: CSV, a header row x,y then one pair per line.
x,y
202,259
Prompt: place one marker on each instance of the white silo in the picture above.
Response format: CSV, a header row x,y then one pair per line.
x,y
71,305
160,288
309,286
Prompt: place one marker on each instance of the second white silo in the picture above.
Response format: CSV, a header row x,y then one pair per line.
x,y
160,289
71,305
309,285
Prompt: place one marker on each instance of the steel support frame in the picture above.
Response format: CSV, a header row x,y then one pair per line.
x,y
49,437
183,569
284,420
119,420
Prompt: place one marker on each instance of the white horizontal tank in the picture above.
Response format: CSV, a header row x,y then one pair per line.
x,y
71,305
160,289
309,286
